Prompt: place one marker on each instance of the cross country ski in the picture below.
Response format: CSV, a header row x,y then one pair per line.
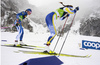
x,y
56,54
24,46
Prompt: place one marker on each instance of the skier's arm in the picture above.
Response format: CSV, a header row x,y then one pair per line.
x,y
18,18
70,11
17,23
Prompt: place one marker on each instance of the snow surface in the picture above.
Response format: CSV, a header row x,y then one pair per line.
x,y
9,57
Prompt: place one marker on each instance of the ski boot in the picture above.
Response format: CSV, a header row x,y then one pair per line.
x,y
50,52
16,44
47,50
22,44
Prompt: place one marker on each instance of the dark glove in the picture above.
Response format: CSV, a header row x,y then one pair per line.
x,y
17,24
77,8
67,15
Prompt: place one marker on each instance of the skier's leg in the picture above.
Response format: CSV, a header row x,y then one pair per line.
x,y
21,37
22,33
50,20
19,33
51,25
18,36
52,29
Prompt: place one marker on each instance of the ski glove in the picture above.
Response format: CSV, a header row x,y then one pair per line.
x,y
17,24
77,8
62,18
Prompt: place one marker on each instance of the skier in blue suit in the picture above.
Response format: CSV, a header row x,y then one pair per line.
x,y
61,13
19,18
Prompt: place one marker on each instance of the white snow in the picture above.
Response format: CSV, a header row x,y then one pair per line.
x,y
9,57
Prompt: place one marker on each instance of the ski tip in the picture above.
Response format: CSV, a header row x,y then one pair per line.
x,y
88,56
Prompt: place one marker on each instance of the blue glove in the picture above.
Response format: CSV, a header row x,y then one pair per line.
x,y
77,8
67,15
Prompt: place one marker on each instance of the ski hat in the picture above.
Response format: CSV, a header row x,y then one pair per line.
x,y
29,10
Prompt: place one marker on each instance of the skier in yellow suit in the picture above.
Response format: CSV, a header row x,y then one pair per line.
x,y
61,13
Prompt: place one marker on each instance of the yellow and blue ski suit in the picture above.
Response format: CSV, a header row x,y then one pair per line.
x,y
20,17
51,17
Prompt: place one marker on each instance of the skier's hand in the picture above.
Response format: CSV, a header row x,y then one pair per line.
x,y
77,8
67,15
17,24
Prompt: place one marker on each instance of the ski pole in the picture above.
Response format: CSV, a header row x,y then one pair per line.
x,y
66,36
60,34
4,27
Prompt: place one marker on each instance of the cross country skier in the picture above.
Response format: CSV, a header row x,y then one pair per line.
x,y
19,18
61,13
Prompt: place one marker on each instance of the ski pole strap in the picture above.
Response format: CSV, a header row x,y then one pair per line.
x,y
4,27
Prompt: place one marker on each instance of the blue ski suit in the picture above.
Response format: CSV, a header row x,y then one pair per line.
x,y
20,17
51,17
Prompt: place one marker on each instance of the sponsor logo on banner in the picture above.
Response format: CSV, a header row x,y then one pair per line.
x,y
90,44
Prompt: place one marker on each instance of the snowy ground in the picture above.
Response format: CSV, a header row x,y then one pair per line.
x,y
9,57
